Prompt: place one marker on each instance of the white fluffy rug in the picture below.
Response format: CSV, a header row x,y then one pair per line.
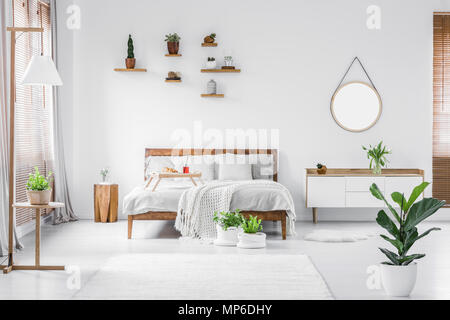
x,y
199,277
338,236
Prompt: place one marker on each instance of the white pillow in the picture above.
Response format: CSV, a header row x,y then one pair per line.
x,y
237,172
203,164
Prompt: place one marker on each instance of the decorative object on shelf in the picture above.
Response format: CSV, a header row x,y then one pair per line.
x,y
228,226
39,191
130,61
228,60
211,63
252,237
173,43
321,169
106,202
173,76
377,157
356,106
210,39
104,173
211,87
399,273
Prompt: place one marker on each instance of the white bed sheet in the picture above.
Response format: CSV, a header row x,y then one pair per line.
x,y
167,195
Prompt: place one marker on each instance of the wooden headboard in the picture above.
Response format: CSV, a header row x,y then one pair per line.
x,y
199,152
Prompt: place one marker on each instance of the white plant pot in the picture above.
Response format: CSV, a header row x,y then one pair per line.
x,y
228,238
211,64
399,281
39,197
252,240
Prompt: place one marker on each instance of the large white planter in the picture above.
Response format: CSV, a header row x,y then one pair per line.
x,y
228,238
399,281
252,241
39,197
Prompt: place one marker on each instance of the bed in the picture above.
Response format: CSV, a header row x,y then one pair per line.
x,y
143,204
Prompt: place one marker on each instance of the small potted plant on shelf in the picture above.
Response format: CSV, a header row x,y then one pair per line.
x,y
104,173
173,43
377,157
130,61
38,188
228,226
399,273
211,63
321,169
210,39
228,60
252,237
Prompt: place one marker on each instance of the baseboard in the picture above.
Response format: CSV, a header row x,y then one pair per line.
x,y
29,227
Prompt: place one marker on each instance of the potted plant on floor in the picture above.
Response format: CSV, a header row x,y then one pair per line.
x,y
228,226
377,157
130,61
399,273
252,237
38,188
173,43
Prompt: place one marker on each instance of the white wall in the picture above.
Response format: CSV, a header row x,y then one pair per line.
x,y
293,54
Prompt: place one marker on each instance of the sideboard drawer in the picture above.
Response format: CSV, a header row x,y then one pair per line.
x,y
362,200
363,183
326,192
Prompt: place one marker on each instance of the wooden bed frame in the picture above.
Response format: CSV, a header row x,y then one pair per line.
x,y
171,216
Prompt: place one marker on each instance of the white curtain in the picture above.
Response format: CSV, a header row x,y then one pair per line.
x,y
65,214
4,130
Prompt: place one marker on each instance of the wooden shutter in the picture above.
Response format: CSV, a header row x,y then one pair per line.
x,y
33,143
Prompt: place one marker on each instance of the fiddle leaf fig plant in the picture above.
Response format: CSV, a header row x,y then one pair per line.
x,y
38,182
252,225
228,219
404,229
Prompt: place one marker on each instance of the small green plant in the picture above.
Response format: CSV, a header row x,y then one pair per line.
x,y
130,48
252,225
211,59
228,219
213,36
172,37
38,182
319,166
228,58
377,157
411,214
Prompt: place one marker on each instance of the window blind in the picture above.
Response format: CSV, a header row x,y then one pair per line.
x,y
33,143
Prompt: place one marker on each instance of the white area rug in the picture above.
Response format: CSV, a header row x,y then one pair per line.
x,y
338,236
199,277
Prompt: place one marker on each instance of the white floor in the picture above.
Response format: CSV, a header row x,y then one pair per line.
x,y
87,245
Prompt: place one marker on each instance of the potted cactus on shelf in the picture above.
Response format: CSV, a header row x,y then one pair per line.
x,y
252,237
173,43
130,61
228,226
321,169
210,39
211,63
38,188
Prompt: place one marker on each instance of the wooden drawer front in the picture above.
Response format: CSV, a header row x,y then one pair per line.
x,y
362,200
363,183
403,185
326,192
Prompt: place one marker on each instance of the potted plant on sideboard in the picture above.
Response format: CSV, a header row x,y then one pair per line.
x,y
38,188
228,226
398,275
173,43
130,61
252,237
321,169
377,157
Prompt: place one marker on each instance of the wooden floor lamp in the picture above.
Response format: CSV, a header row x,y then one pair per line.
x,y
40,71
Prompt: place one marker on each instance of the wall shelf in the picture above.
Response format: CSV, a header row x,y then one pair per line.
x,y
130,70
213,96
209,44
220,70
173,55
170,81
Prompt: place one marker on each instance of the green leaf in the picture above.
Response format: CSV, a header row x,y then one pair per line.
x,y
391,256
395,242
428,232
407,260
415,194
379,195
411,237
384,221
399,199
422,210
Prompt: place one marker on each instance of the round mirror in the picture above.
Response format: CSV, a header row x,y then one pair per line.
x,y
356,106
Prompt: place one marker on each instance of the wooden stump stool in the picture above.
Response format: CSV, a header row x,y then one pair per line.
x,y
106,202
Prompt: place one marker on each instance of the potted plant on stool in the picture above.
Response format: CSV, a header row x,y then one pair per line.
x,y
252,237
130,61
38,188
228,226
398,275
173,43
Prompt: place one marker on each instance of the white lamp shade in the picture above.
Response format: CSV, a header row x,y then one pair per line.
x,y
41,71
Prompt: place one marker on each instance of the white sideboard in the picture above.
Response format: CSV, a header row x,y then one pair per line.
x,y
350,188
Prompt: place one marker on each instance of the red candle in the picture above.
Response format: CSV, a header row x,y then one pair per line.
x,y
186,170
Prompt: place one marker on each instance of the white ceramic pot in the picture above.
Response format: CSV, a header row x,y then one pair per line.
x,y
211,64
39,197
228,238
252,240
399,281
